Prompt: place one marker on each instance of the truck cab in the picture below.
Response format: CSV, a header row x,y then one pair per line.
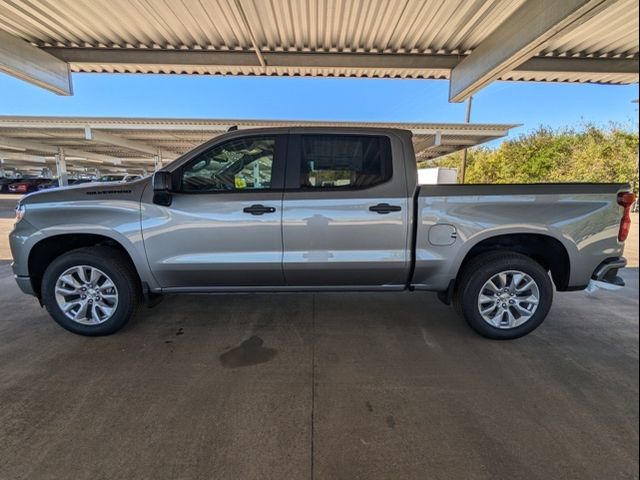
x,y
293,208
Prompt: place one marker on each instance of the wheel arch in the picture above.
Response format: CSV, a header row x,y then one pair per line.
x,y
545,249
49,248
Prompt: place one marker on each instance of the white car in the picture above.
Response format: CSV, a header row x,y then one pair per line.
x,y
120,178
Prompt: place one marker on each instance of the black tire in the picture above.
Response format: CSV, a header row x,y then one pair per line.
x,y
484,267
114,264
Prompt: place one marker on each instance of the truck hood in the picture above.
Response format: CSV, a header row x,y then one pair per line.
x,y
89,192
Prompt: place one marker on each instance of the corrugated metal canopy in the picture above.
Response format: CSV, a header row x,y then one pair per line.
x,y
131,143
344,38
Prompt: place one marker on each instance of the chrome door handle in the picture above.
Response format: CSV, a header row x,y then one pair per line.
x,y
258,209
384,208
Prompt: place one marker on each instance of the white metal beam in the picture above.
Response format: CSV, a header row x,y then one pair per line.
x,y
91,133
61,168
435,140
181,125
23,157
163,125
459,130
22,168
461,142
429,142
32,64
576,65
46,148
252,37
28,145
376,61
517,39
232,58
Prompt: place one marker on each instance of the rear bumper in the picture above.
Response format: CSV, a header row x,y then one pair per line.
x,y
605,276
607,271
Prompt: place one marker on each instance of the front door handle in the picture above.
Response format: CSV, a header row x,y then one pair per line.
x,y
384,208
258,209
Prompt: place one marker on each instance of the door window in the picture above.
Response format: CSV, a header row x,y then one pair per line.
x,y
237,165
344,161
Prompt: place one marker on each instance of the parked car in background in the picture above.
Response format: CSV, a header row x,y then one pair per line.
x,y
53,183
27,185
119,178
78,181
4,184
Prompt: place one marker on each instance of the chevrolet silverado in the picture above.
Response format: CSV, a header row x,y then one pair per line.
x,y
315,209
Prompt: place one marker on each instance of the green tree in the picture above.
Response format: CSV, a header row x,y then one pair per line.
x,y
588,154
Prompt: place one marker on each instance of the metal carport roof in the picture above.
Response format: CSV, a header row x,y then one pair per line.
x,y
134,143
472,42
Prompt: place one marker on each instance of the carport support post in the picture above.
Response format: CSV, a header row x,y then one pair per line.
x,y
157,161
463,169
61,168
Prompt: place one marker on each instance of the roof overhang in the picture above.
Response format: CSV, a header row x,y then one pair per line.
x,y
472,43
139,143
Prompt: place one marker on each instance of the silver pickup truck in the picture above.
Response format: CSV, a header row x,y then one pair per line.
x,y
315,209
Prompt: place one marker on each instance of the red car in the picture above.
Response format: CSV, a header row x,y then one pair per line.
x,y
26,185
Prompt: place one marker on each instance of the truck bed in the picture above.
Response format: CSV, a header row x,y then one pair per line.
x,y
452,219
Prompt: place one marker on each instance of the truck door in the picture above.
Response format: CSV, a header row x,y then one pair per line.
x,y
345,210
223,227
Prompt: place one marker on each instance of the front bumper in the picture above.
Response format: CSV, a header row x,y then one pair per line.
x,y
24,283
20,244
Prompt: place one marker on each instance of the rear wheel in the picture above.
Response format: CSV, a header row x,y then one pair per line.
x,y
504,295
91,291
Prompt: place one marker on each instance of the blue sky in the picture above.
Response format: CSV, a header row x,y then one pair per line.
x,y
555,105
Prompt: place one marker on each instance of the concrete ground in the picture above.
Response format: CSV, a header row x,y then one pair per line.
x,y
320,386
324,386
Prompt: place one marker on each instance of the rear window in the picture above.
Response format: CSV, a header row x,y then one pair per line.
x,y
344,161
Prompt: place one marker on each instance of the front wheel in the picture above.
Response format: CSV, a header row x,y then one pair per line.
x,y
91,291
504,295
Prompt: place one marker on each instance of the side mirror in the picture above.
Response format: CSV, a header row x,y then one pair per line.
x,y
162,181
162,188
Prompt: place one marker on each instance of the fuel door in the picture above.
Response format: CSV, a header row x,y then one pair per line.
x,y
442,234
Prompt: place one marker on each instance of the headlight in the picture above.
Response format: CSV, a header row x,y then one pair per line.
x,y
20,209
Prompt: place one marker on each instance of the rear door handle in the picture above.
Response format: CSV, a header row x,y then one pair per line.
x,y
384,208
258,209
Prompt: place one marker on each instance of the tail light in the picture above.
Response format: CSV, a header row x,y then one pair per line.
x,y
625,200
19,212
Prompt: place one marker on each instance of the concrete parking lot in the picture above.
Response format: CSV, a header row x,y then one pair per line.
x,y
324,386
